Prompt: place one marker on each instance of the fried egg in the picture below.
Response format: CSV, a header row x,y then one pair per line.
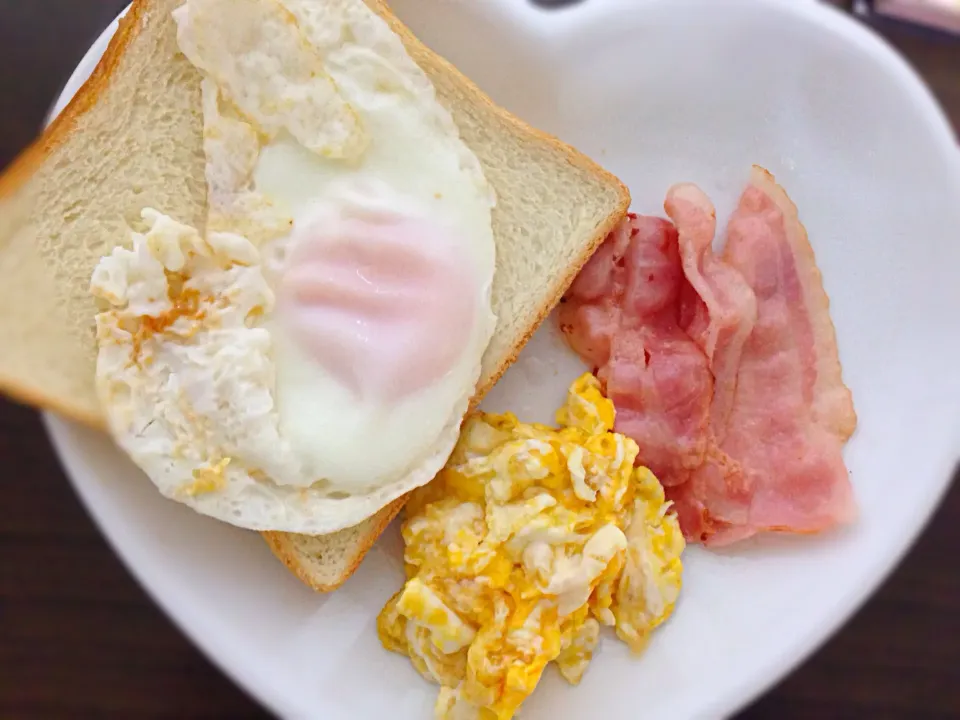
x,y
526,544
309,357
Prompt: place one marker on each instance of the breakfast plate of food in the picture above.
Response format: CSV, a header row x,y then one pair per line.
x,y
477,360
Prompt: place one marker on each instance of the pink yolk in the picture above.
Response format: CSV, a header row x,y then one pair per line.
x,y
383,302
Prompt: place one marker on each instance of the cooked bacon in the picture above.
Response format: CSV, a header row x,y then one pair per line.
x,y
590,315
719,309
622,316
792,413
832,401
724,369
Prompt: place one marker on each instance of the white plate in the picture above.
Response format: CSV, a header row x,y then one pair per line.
x,y
660,91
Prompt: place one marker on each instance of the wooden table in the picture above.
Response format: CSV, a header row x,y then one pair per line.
x,y
78,638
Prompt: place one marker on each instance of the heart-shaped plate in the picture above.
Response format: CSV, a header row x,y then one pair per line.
x,y
659,91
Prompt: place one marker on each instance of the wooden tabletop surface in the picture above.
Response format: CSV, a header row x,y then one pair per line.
x,y
79,638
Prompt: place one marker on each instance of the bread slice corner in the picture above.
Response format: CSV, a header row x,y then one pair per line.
x,y
325,562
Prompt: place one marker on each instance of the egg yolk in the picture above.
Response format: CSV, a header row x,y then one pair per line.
x,y
529,541
382,301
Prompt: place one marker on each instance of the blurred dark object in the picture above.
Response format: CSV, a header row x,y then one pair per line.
x,y
555,3
41,41
933,53
80,639
941,15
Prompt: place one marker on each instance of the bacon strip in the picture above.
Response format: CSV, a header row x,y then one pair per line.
x,y
724,369
792,413
720,311
622,316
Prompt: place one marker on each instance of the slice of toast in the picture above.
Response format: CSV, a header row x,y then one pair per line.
x,y
132,138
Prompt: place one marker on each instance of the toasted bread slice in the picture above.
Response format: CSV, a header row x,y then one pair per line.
x,y
132,138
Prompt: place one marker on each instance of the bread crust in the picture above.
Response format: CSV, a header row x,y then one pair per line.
x,y
284,548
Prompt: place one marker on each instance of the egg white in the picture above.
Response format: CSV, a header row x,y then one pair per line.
x,y
236,420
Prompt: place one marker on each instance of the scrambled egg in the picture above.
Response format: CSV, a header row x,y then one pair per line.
x,y
527,542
